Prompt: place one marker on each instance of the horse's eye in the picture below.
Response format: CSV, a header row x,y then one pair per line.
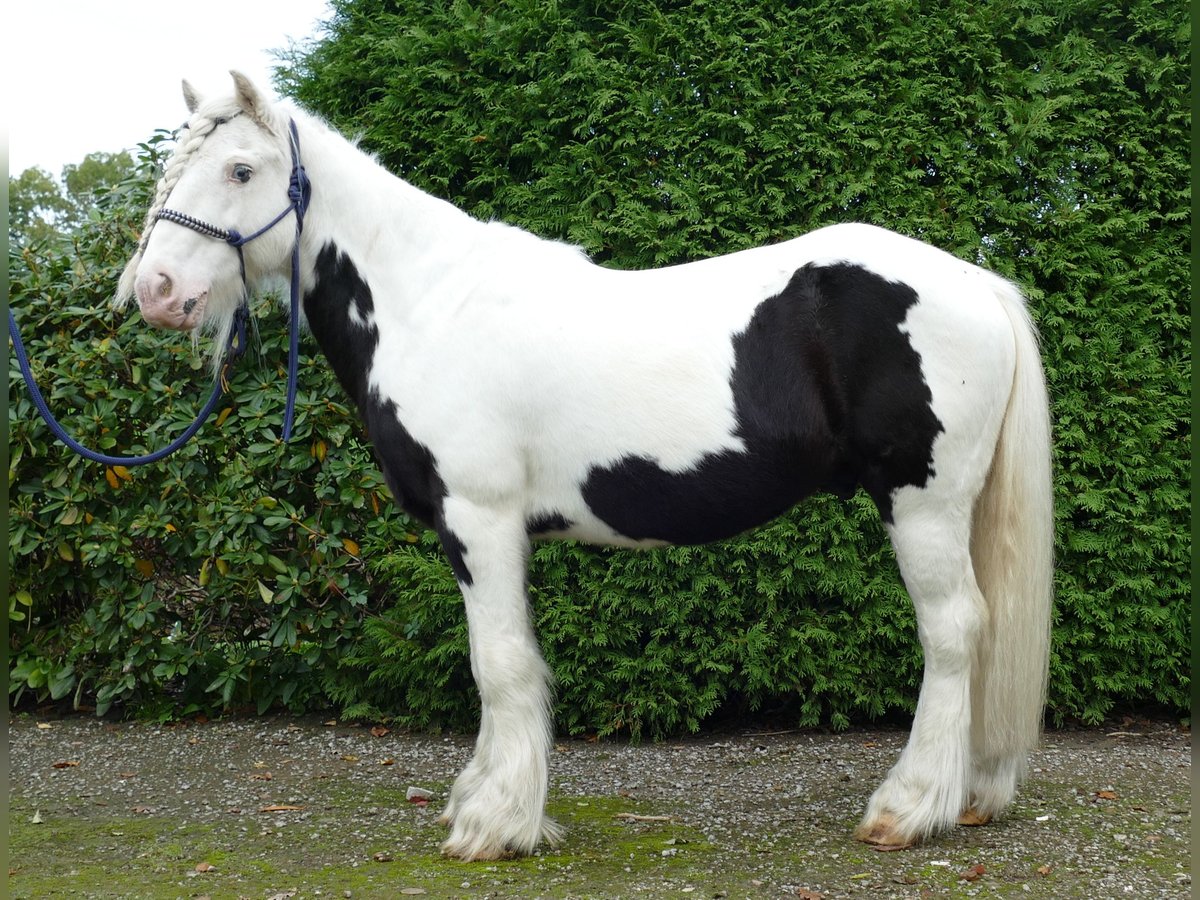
x,y
242,173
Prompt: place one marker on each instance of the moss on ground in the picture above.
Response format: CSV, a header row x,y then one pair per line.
x,y
122,855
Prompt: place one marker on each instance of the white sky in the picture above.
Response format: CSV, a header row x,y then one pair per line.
x,y
81,76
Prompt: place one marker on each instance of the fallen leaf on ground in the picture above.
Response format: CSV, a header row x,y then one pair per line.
x,y
1106,795
349,757
380,731
387,762
806,894
972,874
412,891
66,764
280,807
43,724
37,817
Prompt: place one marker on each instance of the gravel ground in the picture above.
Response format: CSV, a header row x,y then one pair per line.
x,y
281,808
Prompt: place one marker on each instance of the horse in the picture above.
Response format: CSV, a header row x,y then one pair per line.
x,y
513,391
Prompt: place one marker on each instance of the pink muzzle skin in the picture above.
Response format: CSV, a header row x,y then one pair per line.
x,y
165,305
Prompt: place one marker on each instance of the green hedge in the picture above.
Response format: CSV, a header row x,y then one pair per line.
x,y
1046,140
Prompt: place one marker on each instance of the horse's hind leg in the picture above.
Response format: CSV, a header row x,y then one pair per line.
x,y
927,789
497,805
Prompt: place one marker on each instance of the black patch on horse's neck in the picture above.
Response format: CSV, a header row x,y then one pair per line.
x,y
340,311
828,394
349,345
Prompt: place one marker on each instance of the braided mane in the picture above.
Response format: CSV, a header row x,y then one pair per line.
x,y
190,136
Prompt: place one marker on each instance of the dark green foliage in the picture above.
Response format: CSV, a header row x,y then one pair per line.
x,y
1047,141
654,642
227,575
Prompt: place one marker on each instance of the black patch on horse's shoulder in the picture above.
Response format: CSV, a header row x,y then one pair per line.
x,y
455,552
408,465
348,342
828,394
545,523
411,472
348,345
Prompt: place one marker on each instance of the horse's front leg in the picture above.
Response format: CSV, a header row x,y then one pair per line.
x,y
497,805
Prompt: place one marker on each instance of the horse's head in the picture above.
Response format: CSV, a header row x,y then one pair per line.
x,y
231,170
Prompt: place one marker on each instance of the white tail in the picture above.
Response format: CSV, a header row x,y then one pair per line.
x,y
1012,548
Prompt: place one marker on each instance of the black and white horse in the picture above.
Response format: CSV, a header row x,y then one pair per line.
x,y
515,391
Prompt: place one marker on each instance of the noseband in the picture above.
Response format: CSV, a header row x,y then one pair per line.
x,y
299,193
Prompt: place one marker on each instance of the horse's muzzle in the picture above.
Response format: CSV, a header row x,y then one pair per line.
x,y
165,305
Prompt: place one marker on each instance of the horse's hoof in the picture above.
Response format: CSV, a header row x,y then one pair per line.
x,y
478,846
972,817
883,835
481,854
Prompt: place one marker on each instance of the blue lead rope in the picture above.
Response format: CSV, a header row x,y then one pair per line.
x,y
235,348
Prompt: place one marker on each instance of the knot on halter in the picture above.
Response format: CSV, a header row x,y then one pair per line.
x,y
299,189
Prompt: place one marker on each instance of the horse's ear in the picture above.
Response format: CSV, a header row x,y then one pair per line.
x,y
191,97
253,103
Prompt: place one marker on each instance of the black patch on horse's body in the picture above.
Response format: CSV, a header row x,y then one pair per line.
x,y
545,523
408,466
828,394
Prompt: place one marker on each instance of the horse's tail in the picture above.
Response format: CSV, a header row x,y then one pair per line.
x,y
1012,547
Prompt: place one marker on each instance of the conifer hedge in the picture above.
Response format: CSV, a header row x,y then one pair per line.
x,y
1045,140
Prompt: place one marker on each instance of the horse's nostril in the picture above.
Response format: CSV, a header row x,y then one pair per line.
x,y
165,286
189,305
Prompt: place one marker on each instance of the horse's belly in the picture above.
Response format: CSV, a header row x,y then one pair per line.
x,y
724,494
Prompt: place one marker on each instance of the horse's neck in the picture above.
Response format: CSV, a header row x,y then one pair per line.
x,y
381,223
